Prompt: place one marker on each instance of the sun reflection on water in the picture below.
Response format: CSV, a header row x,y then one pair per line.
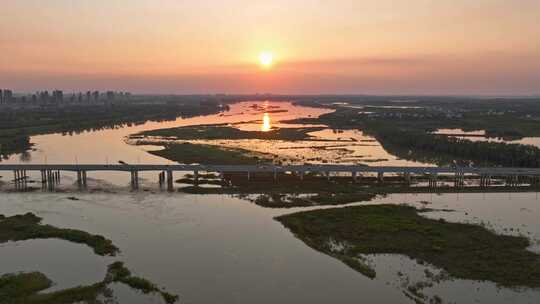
x,y
266,124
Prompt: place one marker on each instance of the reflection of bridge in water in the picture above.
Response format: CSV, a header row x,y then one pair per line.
x,y
50,174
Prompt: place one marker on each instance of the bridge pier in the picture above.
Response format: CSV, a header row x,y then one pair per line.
x,y
79,179
161,177
84,180
407,177
134,180
196,177
248,175
50,180
534,181
301,174
485,180
380,177
19,179
512,180
43,179
433,180
170,181
459,179
354,176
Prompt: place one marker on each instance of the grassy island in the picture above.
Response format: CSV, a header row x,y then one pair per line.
x,y
211,132
26,287
208,154
28,226
464,251
19,288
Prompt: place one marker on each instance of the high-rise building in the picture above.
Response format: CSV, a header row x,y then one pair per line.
x,y
96,96
1,96
8,96
110,95
44,97
58,96
88,97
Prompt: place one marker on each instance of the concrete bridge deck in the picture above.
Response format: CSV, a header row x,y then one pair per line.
x,y
50,173
272,168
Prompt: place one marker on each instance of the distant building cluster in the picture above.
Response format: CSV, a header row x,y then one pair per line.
x,y
58,98
6,96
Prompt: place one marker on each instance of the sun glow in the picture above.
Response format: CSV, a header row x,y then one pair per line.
x,y
266,124
266,59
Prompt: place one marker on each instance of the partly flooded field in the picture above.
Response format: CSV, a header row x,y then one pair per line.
x,y
480,135
223,249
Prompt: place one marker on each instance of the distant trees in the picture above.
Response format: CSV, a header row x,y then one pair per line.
x,y
414,144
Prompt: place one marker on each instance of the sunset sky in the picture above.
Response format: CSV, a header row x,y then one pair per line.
x,y
458,47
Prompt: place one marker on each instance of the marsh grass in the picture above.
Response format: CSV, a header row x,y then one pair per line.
x,y
464,251
28,226
25,287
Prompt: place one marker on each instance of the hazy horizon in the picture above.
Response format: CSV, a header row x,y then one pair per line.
x,y
341,47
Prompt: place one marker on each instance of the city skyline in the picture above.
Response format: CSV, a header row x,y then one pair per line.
x,y
344,47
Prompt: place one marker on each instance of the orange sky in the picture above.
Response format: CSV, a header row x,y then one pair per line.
x,y
339,46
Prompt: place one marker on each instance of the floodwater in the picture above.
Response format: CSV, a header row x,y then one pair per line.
x,y
480,135
221,249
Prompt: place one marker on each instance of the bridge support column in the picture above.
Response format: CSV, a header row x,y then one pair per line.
x,y
222,177
248,176
459,180
16,179
50,180
134,180
275,175
301,174
433,183
196,177
327,173
79,179
485,180
84,180
407,177
482,181
170,181
24,180
43,179
354,176
380,177
535,181
161,177
512,181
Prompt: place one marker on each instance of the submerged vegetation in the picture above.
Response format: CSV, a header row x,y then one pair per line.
x,y
26,288
464,251
28,226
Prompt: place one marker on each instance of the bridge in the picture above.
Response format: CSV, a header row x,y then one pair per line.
x,y
50,173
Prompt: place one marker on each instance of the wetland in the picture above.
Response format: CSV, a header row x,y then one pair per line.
x,y
290,240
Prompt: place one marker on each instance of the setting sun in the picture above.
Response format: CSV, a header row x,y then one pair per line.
x,y
266,59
